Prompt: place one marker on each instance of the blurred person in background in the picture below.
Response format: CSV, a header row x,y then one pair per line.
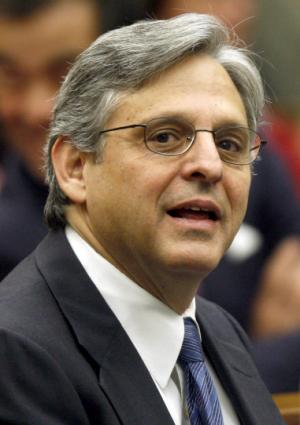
x,y
258,280
39,39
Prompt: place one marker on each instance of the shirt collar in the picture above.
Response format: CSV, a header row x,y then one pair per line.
x,y
155,330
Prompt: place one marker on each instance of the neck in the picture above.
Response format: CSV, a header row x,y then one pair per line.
x,y
174,288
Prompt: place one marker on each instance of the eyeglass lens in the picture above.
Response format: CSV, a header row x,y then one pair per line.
x,y
172,136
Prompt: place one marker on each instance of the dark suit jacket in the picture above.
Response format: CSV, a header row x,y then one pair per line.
x,y
66,360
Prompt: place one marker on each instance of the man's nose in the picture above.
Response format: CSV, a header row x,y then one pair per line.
x,y
38,102
202,161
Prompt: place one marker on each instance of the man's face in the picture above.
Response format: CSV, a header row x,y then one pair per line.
x,y
35,53
156,216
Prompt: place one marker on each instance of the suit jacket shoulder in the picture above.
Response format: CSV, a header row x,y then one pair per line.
x,y
65,359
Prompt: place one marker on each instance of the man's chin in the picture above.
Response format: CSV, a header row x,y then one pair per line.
x,y
200,267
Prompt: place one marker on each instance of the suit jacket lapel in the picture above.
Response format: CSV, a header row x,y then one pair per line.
x,y
234,366
130,386
122,373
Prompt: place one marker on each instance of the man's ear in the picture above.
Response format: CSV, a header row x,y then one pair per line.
x,y
68,163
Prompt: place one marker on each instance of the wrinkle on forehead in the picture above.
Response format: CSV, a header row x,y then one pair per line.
x,y
197,88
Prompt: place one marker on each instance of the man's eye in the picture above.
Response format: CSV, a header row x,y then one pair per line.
x,y
230,145
165,136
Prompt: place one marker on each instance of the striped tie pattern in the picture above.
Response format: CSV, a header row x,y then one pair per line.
x,y
201,397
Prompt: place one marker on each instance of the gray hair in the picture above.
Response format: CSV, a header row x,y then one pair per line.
x,y
124,59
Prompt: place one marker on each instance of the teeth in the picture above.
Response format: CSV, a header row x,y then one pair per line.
x,y
197,209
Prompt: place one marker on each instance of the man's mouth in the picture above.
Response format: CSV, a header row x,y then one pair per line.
x,y
196,210
193,213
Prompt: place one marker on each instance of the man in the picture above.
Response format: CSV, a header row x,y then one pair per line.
x,y
38,41
149,172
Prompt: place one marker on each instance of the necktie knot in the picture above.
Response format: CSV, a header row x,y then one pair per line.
x,y
191,350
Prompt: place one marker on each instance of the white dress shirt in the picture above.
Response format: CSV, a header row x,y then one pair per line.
x,y
155,330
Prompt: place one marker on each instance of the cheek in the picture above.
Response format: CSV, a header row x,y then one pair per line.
x,y
131,186
239,193
115,196
142,181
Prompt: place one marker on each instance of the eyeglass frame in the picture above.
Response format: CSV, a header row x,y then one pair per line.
x,y
262,143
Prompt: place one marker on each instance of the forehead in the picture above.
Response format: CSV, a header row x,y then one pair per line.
x,y
198,89
57,31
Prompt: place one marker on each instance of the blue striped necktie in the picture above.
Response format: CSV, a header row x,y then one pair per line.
x,y
201,397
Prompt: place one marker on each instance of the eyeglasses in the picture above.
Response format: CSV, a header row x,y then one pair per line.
x,y
175,136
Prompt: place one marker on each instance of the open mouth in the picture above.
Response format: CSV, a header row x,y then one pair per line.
x,y
194,213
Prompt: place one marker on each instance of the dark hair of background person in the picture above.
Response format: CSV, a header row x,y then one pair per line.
x,y
115,13
20,9
118,13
